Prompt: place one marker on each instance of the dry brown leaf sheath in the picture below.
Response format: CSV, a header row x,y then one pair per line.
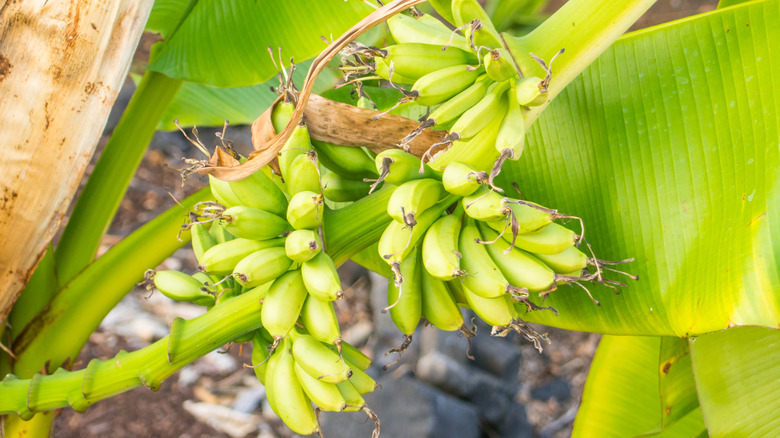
x,y
268,144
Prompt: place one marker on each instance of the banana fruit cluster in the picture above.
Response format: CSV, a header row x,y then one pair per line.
x,y
456,242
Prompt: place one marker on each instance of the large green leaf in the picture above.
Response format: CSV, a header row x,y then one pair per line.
x,y
668,147
621,397
736,374
224,43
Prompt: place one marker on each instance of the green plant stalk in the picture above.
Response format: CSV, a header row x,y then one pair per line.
x,y
585,28
102,195
57,335
149,366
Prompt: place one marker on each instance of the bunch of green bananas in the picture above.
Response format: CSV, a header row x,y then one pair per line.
x,y
477,90
456,242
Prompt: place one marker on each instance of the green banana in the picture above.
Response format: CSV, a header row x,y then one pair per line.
x,y
202,240
398,239
319,319
484,277
415,60
349,162
339,189
305,210
462,179
441,85
303,174
440,248
219,233
182,287
570,260
363,382
478,151
281,115
404,295
449,111
529,92
261,267
259,191
354,357
321,278
465,11
498,311
484,205
260,353
282,304
253,223
355,401
298,144
396,167
223,193
382,69
551,239
222,258
438,305
529,216
476,118
511,134
325,395
412,198
285,394
424,29
456,289
498,65
302,245
519,267
318,360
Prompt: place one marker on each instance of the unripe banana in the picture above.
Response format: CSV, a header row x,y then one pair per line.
x,y
490,107
414,197
321,278
318,360
519,267
424,29
223,193
529,93
464,11
498,311
484,276
222,258
441,85
354,357
450,110
456,289
202,240
325,395
261,267
478,151
303,175
511,134
319,319
339,189
355,401
348,162
551,239
302,245
438,305
499,66
285,394
415,60
298,144
305,210
282,304
528,217
281,115
259,191
399,166
570,260
182,287
399,239
260,354
220,234
363,382
462,179
405,298
382,69
484,205
440,248
253,223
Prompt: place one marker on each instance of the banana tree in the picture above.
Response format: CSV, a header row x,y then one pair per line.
x,y
666,146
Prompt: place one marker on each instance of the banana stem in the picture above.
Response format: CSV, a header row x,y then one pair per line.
x,y
585,28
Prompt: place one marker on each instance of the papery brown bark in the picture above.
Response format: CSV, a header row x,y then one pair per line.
x,y
62,64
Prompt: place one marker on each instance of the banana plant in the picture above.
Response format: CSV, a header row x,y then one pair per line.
x,y
663,143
